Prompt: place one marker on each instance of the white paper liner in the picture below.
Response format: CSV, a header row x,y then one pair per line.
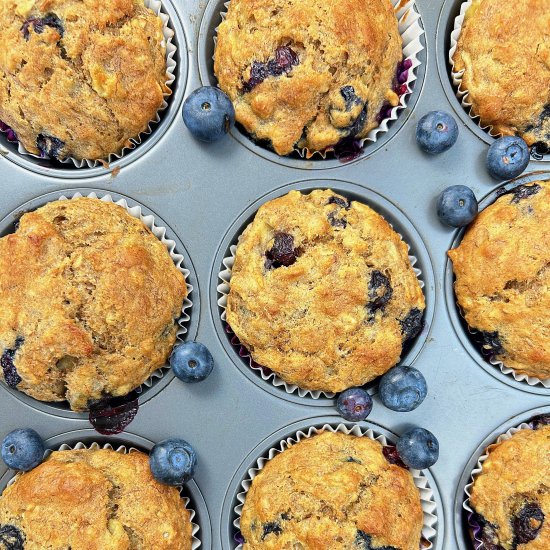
x,y
479,465
223,291
195,543
156,7
427,500
411,32
160,233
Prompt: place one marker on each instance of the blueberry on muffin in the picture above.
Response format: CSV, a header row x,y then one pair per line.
x,y
309,74
80,79
333,491
322,291
90,299
504,55
94,498
503,278
510,497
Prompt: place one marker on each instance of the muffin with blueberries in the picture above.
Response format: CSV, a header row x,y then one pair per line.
x,y
322,291
86,499
90,302
309,74
503,278
80,79
333,491
503,58
510,497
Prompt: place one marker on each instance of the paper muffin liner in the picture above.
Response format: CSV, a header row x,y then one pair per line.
x,y
157,8
195,543
411,31
267,374
160,233
427,498
475,527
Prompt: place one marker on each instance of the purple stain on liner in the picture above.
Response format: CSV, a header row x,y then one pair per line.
x,y
476,530
238,538
10,134
111,415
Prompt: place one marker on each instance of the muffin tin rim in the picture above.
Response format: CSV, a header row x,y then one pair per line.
x,y
380,204
59,409
289,430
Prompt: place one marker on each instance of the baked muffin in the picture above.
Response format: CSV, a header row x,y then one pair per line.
x,y
322,291
93,499
332,491
511,496
90,299
503,278
504,52
308,74
80,78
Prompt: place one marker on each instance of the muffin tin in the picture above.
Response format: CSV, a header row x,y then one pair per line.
x,y
204,194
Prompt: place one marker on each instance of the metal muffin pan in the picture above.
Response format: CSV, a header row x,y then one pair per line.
x,y
205,193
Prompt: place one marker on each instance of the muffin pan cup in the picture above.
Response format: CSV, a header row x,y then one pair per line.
x,y
205,195
175,249
190,494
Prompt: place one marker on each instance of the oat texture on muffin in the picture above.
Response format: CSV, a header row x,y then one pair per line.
x,y
333,491
80,78
503,54
510,496
90,299
502,269
93,499
308,74
322,291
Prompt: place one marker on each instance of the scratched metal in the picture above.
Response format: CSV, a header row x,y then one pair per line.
x,y
203,194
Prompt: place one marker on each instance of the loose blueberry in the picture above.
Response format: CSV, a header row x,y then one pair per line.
x,y
191,362
527,523
354,404
11,538
208,114
418,448
402,389
22,449
457,206
173,461
507,158
436,132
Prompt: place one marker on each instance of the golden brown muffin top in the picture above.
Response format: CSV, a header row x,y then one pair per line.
x,y
512,492
504,51
89,302
80,78
332,491
322,291
307,74
95,500
503,278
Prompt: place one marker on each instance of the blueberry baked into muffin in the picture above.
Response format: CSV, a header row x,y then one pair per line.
x,y
332,491
92,499
502,269
309,74
80,78
322,291
90,299
504,52
511,497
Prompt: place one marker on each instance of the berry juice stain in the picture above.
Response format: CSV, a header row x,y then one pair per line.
x,y
111,415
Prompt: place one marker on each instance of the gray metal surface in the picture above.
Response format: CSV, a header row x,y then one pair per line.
x,y
203,194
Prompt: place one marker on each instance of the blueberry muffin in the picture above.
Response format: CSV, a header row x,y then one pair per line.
x,y
504,52
93,499
308,74
90,299
322,291
511,497
503,278
332,491
79,79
